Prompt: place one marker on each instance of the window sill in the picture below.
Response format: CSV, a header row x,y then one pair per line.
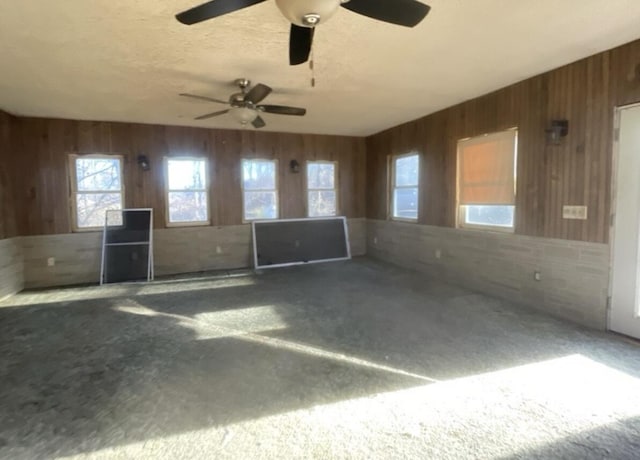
x,y
404,219
258,219
487,228
88,229
188,224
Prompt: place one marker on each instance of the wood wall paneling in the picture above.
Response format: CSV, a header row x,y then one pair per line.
x,y
43,192
8,226
576,172
33,155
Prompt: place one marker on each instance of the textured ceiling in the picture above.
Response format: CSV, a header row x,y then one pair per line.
x,y
123,60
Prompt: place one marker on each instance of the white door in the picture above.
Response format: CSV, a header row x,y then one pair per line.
x,y
625,294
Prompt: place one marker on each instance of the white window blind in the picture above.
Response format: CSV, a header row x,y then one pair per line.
x,y
486,169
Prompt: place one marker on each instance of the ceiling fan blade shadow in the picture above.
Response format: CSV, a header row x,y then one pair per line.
x,y
258,122
408,13
204,98
211,115
257,93
213,9
300,42
282,110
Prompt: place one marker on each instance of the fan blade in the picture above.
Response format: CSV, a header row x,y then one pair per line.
x,y
258,123
213,9
204,98
407,13
257,93
211,115
300,41
282,110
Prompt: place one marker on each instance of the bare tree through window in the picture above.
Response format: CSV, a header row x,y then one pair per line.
x,y
97,188
260,193
321,189
187,192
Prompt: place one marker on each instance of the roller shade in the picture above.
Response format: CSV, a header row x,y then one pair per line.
x,y
486,169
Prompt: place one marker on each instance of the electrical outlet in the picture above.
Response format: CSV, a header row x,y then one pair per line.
x,y
537,276
51,261
375,240
438,253
218,250
574,212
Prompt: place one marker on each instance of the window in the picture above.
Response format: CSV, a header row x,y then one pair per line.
x,y
96,186
260,189
487,180
322,195
187,191
405,186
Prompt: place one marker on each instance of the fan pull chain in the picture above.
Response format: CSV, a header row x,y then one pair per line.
x,y
313,73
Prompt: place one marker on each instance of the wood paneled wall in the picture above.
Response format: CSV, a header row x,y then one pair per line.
x,y
577,172
7,203
43,191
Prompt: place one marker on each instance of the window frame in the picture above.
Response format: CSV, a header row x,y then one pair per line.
x,y
393,187
461,209
335,189
206,190
276,189
74,192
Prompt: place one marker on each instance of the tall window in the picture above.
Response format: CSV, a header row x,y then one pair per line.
x,y
96,185
405,182
187,191
260,189
487,180
322,194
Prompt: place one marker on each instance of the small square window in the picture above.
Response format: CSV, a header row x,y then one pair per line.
x,y
97,186
260,189
486,181
187,191
322,194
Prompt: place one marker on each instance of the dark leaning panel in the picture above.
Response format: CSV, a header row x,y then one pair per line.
x,y
299,241
127,253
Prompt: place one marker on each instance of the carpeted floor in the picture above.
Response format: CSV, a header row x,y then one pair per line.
x,y
345,360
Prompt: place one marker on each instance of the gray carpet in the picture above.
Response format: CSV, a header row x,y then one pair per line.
x,y
346,360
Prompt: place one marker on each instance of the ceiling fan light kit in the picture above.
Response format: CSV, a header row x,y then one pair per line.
x,y
308,13
243,115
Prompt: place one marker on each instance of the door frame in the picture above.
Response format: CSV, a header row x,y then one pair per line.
x,y
615,157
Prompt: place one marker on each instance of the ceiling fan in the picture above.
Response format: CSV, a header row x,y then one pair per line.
x,y
245,105
304,15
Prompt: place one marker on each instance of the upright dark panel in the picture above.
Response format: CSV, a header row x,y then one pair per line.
x,y
127,253
126,263
299,241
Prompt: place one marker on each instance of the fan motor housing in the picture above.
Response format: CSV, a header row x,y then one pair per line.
x,y
237,100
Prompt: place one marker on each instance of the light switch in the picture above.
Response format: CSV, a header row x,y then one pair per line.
x,y
574,212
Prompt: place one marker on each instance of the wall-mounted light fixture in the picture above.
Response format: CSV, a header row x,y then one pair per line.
x,y
294,166
557,130
143,162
